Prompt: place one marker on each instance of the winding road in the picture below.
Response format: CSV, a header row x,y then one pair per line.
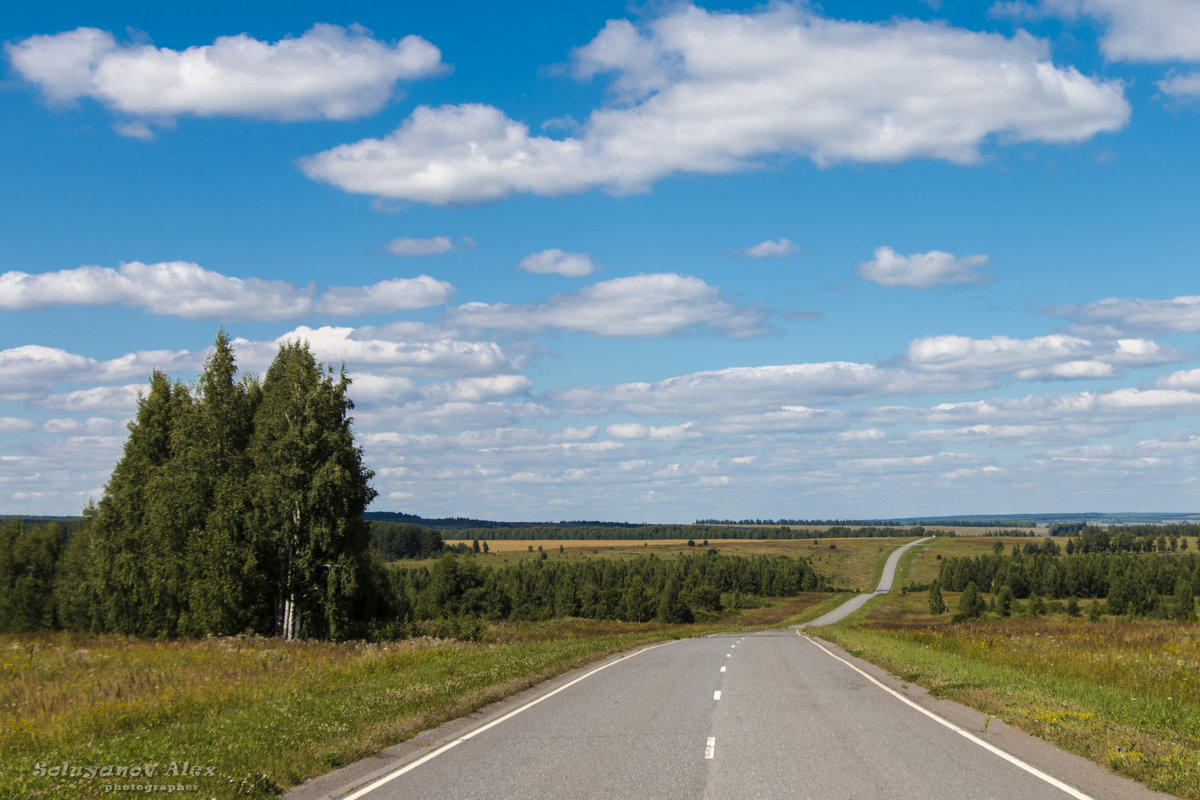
x,y
774,714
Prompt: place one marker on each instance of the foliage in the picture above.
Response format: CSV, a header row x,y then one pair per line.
x,y
1154,585
937,605
232,501
636,589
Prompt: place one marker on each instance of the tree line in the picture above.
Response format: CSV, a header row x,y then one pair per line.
x,y
698,531
638,589
1163,586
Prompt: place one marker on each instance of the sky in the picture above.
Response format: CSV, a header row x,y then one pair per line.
x,y
598,261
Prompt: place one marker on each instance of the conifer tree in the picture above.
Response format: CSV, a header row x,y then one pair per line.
x,y
226,590
310,489
132,568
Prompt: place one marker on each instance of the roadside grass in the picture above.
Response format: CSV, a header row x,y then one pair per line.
x,y
266,714
1123,693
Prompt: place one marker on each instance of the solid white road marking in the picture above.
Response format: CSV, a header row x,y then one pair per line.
x,y
710,747
391,776
1032,770
717,694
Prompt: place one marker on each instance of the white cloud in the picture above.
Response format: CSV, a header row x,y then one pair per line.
x,y
107,399
641,305
94,426
1025,435
16,425
748,389
329,72
1181,87
188,290
791,418
1178,315
1129,404
477,389
432,246
438,357
572,265
710,92
1184,379
864,435
1141,30
777,248
134,130
1053,356
921,270
395,294
634,430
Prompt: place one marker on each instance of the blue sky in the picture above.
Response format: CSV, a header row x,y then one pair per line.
x,y
603,261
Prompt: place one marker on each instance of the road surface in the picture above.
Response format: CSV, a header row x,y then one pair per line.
x,y
766,715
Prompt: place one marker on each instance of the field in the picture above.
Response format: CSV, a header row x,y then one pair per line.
x,y
1123,693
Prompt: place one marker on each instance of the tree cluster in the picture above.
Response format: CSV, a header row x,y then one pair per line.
x,y
638,589
236,507
1163,586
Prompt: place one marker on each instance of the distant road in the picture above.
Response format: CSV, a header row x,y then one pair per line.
x,y
885,585
765,715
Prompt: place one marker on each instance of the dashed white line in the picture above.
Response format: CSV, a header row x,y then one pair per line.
x,y
717,694
710,748
722,669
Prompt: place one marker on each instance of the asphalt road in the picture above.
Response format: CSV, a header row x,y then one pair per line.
x,y
766,715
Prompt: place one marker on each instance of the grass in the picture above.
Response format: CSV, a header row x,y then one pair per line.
x,y
1125,694
266,714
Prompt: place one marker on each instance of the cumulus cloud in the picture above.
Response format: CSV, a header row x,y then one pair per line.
x,y
777,248
712,92
572,265
432,246
1177,315
921,270
1053,356
16,425
414,358
642,305
395,294
103,399
1184,379
329,72
752,388
635,430
1120,405
184,289
1140,30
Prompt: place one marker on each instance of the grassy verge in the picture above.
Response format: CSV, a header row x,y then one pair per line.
x,y
1125,694
264,714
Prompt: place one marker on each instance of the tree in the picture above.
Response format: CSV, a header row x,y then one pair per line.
x,y
971,603
1183,608
936,604
28,557
671,606
135,555
212,473
1004,601
310,489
